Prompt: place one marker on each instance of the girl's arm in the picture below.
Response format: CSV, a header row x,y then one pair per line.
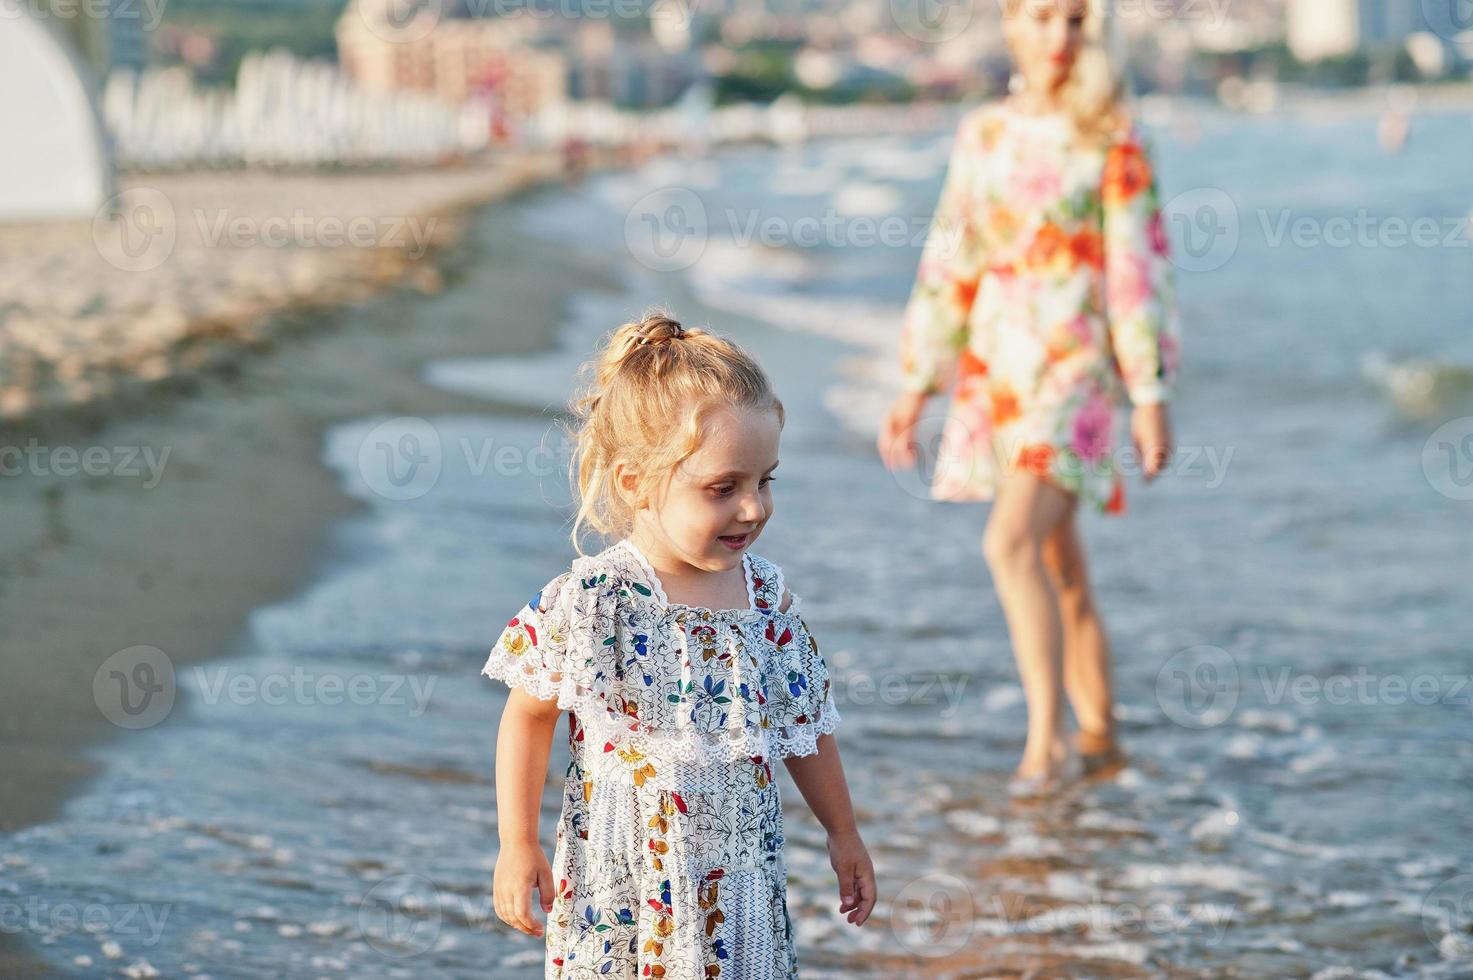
x,y
523,745
820,778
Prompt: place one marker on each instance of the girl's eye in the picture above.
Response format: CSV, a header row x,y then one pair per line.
x,y
767,479
722,491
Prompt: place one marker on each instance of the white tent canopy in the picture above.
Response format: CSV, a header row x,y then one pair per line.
x,y
55,163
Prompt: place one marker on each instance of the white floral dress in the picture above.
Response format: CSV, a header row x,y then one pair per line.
x,y
669,859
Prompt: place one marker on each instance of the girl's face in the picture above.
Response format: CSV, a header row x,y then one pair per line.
x,y
719,499
1044,37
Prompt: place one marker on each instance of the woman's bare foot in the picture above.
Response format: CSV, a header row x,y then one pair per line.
x,y
1099,753
1046,772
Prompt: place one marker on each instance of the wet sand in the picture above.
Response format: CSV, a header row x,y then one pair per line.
x,y
176,556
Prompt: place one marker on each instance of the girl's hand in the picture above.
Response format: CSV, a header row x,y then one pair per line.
x,y
856,873
519,869
1151,431
897,442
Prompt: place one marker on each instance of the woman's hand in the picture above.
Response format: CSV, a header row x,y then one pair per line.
x,y
897,442
519,869
1150,429
850,860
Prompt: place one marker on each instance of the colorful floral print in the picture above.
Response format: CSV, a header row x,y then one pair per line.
x,y
1043,297
669,856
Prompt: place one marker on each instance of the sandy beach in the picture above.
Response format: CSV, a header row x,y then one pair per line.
x,y
229,514
182,271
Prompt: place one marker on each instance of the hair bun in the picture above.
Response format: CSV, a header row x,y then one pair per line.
x,y
658,328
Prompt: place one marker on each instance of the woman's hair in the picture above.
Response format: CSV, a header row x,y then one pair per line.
x,y
1094,95
644,403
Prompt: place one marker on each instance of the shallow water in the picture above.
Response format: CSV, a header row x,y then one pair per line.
x,y
1283,606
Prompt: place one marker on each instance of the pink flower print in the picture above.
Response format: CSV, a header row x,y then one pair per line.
x,y
1035,184
1079,327
1092,429
1170,351
1127,284
1157,232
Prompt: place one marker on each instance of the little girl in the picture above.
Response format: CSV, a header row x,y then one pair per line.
x,y
686,669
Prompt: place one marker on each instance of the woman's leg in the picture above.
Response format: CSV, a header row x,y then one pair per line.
x,y
1025,513
1086,648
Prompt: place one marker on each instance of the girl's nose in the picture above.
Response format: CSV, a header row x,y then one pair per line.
x,y
752,511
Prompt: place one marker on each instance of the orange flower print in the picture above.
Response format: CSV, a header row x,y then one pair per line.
x,y
1127,173
1060,344
1050,250
1116,503
966,292
1089,249
970,365
1036,458
989,131
1002,224
1004,405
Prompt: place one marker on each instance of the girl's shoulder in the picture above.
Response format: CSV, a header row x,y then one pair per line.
x,y
770,591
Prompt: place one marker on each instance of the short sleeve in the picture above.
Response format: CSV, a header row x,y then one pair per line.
x,y
531,652
803,702
1140,298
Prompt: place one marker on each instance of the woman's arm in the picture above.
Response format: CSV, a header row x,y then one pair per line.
x,y
1140,297
523,745
935,322
820,778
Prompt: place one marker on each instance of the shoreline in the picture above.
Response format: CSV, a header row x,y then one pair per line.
x,y
196,269
236,515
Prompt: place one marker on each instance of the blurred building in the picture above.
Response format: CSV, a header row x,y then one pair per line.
x,y
509,59
1335,28
629,68
530,62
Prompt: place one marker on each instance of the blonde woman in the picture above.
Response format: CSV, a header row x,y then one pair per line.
x,y
1043,300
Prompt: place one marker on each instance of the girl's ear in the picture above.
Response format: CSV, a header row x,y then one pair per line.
x,y
626,482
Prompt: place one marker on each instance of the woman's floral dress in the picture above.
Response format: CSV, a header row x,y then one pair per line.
x,y
669,859
1044,288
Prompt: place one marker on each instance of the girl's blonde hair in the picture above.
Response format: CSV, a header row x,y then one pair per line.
x,y
644,403
1094,95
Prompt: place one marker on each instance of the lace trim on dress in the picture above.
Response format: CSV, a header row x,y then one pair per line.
x,y
776,698
749,575
608,731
